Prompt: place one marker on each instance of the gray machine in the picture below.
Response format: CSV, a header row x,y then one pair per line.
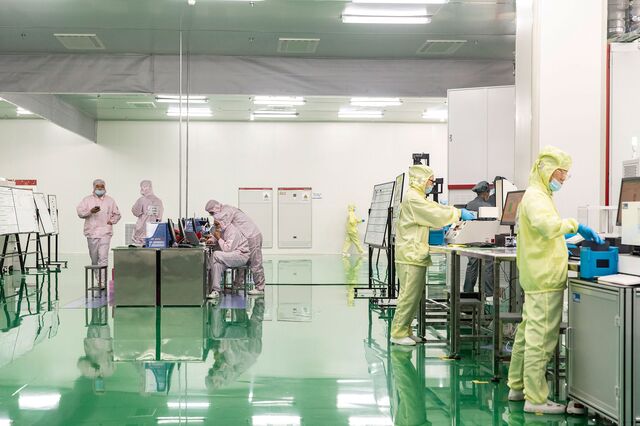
x,y
604,348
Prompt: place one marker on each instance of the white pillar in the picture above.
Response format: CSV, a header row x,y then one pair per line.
x,y
560,92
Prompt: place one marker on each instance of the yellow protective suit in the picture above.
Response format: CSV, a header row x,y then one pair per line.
x,y
417,215
352,238
542,264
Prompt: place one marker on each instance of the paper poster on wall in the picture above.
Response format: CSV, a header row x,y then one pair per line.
x,y
43,211
53,212
25,210
8,220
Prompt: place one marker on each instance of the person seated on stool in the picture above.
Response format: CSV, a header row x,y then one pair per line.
x,y
232,251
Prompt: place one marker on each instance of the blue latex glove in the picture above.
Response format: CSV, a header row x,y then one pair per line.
x,y
567,236
446,228
589,234
569,252
467,215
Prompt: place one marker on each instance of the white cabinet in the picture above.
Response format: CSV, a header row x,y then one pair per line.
x,y
294,217
257,203
481,134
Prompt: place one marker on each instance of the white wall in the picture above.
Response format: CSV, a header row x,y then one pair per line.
x,y
340,160
567,87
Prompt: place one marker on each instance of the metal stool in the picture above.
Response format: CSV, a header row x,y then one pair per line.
x,y
233,273
102,279
472,307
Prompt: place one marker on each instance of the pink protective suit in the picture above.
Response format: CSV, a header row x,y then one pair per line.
x,y
98,227
234,252
148,209
249,229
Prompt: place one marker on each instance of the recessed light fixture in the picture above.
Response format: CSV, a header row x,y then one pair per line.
x,y
175,99
190,112
385,14
279,100
375,102
274,113
436,114
191,2
360,113
22,111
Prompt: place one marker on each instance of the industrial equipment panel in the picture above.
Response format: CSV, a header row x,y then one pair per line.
x,y
257,203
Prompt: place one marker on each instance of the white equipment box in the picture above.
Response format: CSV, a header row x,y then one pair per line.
x,y
474,231
257,203
294,218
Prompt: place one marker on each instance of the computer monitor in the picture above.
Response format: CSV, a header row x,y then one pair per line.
x,y
510,209
502,188
181,228
172,233
629,191
190,236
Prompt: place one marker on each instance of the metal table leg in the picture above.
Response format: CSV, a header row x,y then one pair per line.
x,y
497,332
454,307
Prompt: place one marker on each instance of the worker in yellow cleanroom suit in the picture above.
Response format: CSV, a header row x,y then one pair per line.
x,y
542,262
353,238
417,215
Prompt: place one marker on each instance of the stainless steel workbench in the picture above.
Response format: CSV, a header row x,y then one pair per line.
x,y
168,277
498,255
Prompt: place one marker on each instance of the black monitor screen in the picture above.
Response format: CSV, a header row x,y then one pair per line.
x,y
510,209
172,232
629,191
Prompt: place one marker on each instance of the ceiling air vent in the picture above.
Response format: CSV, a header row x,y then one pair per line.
x,y
298,45
80,41
142,105
440,47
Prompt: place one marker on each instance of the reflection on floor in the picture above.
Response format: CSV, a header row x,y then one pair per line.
x,y
305,354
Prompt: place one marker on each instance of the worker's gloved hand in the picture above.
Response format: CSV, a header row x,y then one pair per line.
x,y
567,236
467,215
589,234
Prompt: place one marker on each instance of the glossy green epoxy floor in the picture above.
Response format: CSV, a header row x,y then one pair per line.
x,y
306,354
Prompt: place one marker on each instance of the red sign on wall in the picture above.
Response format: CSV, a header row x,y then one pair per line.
x,y
25,182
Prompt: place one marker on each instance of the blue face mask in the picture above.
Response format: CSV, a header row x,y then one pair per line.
x,y
428,190
554,185
100,192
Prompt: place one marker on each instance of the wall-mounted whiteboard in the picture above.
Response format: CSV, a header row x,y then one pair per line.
x,y
257,203
43,211
53,212
294,218
8,219
25,210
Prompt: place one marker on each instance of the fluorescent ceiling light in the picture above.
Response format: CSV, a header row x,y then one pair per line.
x,y
22,111
355,400
279,100
274,113
279,420
360,113
192,112
175,99
179,420
187,404
385,14
370,421
435,114
375,102
400,1
43,401
399,20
